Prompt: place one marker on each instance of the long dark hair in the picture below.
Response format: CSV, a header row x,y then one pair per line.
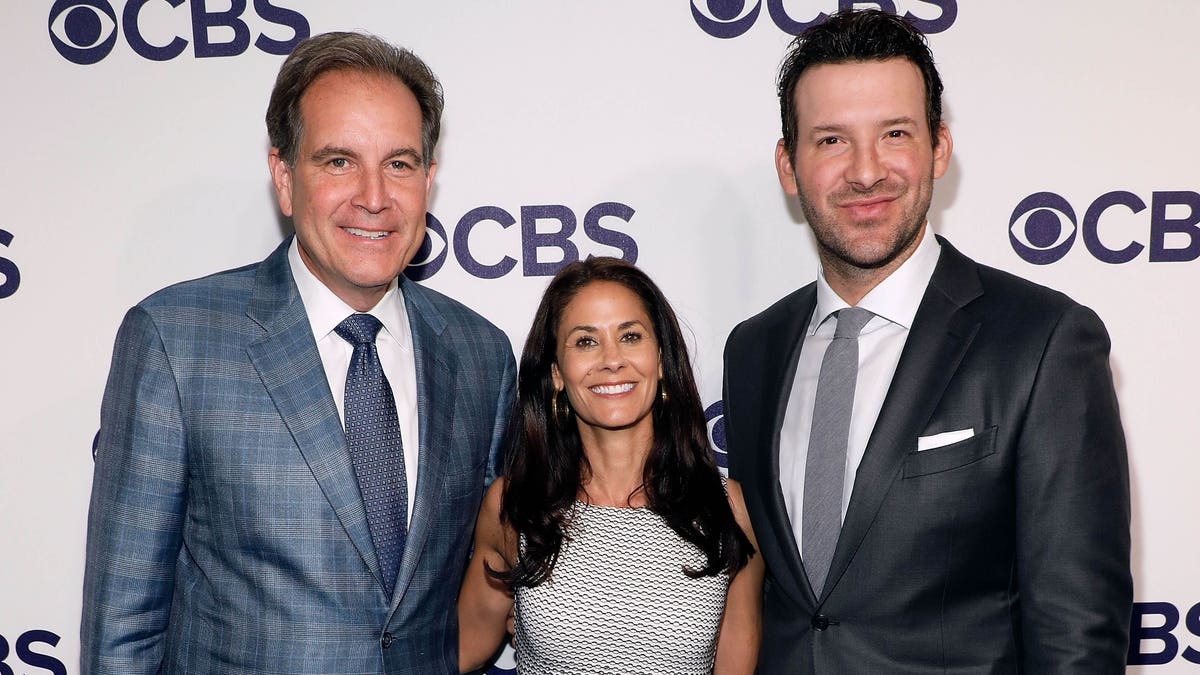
x,y
545,465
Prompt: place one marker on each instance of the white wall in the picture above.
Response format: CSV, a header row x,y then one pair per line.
x,y
125,175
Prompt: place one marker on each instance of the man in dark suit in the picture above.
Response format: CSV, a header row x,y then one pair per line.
x,y
930,449
291,453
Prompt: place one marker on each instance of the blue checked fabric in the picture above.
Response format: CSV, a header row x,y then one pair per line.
x,y
373,435
825,468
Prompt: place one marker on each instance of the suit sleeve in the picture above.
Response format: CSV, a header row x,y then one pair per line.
x,y
137,507
1072,489
504,403
727,398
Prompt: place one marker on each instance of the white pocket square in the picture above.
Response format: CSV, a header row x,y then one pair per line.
x,y
944,438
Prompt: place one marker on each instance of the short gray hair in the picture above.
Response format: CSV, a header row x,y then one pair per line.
x,y
359,52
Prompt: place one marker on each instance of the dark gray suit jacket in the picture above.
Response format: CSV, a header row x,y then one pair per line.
x,y
227,533
1004,553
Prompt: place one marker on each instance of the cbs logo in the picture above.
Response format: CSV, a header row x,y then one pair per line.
x,y
714,415
28,655
10,276
730,18
1044,226
85,31
484,262
1161,633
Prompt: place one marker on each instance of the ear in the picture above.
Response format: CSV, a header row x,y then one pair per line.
x,y
787,172
556,377
433,165
941,151
281,178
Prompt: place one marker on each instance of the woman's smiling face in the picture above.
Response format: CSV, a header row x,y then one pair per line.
x,y
607,358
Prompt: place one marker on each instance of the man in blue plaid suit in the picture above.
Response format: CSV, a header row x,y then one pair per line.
x,y
228,532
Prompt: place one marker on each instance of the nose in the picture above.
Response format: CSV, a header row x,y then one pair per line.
x,y
611,357
866,168
372,192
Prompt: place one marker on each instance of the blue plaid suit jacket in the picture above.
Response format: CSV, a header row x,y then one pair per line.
x,y
226,532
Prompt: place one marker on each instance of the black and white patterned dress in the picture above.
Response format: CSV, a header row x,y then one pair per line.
x,y
618,602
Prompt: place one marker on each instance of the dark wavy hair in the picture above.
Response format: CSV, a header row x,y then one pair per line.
x,y
857,35
545,465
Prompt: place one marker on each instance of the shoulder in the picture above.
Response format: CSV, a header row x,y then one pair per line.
x,y
218,290
1006,298
493,497
456,319
783,311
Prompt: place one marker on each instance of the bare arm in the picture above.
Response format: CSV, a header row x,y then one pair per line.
x,y
741,625
484,603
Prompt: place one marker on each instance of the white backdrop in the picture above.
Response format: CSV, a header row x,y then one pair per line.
x,y
129,173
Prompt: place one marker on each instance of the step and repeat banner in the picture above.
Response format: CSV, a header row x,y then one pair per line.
x,y
136,157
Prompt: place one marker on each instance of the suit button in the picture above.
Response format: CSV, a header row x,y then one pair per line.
x,y
820,622
387,640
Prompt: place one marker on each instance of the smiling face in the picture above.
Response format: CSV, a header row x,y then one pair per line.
x,y
863,167
607,360
358,191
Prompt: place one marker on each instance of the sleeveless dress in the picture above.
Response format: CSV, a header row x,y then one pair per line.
x,y
619,603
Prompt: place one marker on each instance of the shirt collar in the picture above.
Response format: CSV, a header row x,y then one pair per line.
x,y
896,298
326,310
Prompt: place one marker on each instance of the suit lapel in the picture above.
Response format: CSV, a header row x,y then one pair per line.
x,y
941,333
290,367
783,345
437,370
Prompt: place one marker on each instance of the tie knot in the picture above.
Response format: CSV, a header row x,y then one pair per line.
x,y
850,322
359,329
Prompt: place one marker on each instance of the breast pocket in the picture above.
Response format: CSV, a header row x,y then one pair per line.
x,y
951,456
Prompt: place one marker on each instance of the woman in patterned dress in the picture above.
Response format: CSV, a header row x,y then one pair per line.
x,y
624,548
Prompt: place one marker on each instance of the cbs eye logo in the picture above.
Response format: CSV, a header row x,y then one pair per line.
x,y
1041,239
86,31
727,19
1044,227
83,31
714,415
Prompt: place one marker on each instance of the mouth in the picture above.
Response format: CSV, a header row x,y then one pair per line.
x,y
867,208
611,389
365,234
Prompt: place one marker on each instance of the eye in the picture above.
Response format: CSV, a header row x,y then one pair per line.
x,y
631,336
430,257
84,31
828,140
1036,229
725,18
400,165
338,162
897,133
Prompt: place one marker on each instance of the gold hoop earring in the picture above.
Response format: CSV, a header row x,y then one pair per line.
x,y
566,409
663,392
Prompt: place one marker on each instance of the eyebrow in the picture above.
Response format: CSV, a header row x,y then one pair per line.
x,y
336,151
837,128
622,326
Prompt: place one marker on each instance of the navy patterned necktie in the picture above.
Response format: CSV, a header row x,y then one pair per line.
x,y
825,468
373,435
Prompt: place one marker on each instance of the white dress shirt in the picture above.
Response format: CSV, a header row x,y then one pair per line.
x,y
894,303
394,342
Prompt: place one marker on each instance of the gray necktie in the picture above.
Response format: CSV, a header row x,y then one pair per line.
x,y
373,435
825,468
